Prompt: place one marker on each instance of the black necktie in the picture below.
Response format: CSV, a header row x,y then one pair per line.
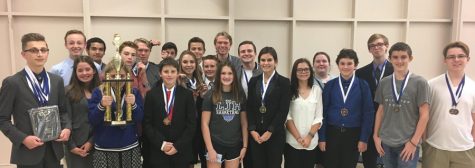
x,y
377,72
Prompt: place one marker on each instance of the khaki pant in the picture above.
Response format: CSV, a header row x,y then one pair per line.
x,y
436,158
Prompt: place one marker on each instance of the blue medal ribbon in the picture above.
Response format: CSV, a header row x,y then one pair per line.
x,y
168,102
42,91
397,95
455,97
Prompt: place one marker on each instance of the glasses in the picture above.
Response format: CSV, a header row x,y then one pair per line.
x,y
303,70
452,57
379,45
36,50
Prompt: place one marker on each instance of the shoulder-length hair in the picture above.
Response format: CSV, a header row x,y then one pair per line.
x,y
75,89
294,81
196,73
218,86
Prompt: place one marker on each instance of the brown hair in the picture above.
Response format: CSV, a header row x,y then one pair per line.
x,y
456,44
376,36
31,37
74,31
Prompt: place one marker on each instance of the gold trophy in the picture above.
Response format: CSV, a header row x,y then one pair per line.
x,y
113,87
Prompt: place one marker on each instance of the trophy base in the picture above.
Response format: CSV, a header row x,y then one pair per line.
x,y
118,123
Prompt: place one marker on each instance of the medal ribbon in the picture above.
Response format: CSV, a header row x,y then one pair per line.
x,y
349,87
455,96
169,100
381,75
192,83
264,86
41,91
397,95
115,100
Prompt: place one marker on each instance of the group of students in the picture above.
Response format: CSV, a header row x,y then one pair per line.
x,y
226,110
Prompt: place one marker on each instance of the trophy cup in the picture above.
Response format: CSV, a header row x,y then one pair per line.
x,y
113,87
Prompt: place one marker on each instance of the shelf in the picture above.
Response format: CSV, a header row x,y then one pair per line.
x,y
427,41
438,9
387,9
312,8
125,7
300,19
47,6
47,14
200,8
125,16
431,20
381,20
263,18
330,37
197,17
263,8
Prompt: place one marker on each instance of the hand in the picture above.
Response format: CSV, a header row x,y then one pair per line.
x,y
168,146
64,136
256,137
164,54
322,146
140,65
266,136
86,147
300,140
172,151
408,152
212,156
130,98
362,146
32,142
155,42
242,154
377,144
306,141
106,101
79,151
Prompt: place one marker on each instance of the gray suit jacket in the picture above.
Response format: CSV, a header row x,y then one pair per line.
x,y
153,74
15,99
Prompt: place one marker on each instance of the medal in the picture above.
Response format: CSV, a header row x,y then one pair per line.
x,y
166,121
398,94
344,112
454,96
454,111
396,109
262,109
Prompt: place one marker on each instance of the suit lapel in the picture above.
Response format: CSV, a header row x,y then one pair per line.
x,y
22,77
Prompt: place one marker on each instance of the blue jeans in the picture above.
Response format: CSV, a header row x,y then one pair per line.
x,y
392,158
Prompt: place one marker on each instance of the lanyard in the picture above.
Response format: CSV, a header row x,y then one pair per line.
x,y
343,94
455,96
42,90
398,95
169,102
381,75
192,82
264,86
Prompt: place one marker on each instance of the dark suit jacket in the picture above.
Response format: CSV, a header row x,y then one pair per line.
x,y
277,101
181,130
16,98
81,128
366,73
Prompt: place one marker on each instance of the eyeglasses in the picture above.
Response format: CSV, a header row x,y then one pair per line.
x,y
36,50
372,46
461,56
303,70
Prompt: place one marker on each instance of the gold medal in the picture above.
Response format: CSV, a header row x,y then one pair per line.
x,y
454,111
262,109
166,121
344,112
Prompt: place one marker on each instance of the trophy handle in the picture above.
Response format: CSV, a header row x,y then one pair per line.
x,y
128,90
107,92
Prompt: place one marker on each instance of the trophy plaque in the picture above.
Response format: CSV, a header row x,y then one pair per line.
x,y
113,87
45,122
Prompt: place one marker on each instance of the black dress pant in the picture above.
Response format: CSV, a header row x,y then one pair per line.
x,y
49,160
269,153
300,158
341,147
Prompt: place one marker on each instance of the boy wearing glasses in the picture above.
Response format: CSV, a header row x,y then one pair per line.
x,y
372,73
450,131
403,111
30,89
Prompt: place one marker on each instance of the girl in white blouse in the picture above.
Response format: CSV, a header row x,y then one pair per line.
x,y
304,117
